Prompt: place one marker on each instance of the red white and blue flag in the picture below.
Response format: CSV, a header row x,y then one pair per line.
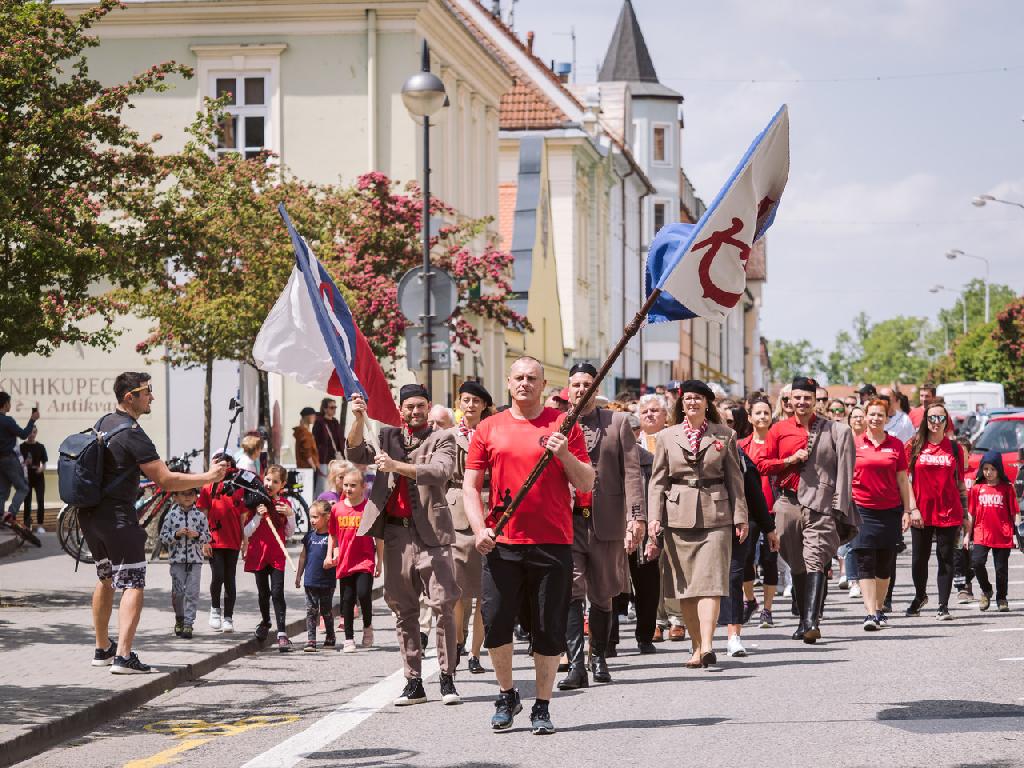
x,y
310,335
701,268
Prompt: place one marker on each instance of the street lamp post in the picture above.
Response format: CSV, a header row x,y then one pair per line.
x,y
981,200
963,300
423,94
955,253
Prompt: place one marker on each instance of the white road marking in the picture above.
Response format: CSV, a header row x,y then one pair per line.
x,y
1005,629
1014,658
293,750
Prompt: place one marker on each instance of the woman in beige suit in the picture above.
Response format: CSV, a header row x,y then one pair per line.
x,y
696,498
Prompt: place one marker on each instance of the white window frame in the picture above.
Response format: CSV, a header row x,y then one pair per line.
x,y
233,60
668,144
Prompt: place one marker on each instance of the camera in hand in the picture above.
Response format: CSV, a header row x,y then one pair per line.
x,y
251,486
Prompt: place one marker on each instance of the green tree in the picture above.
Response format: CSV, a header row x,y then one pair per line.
x,y
841,363
1000,297
794,358
894,351
67,161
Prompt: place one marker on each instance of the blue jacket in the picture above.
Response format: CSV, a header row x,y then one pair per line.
x,y
10,433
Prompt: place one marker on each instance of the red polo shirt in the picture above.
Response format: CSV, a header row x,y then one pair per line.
x,y
874,475
783,440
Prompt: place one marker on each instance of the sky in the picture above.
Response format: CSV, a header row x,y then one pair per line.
x,y
883,170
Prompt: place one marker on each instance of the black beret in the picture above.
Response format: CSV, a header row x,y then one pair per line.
x,y
867,389
307,411
583,368
412,390
476,389
804,384
699,387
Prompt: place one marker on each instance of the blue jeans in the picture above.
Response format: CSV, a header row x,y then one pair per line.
x,y
12,474
846,552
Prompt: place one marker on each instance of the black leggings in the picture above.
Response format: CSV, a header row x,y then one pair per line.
x,y
875,563
945,544
270,584
318,606
222,564
1001,563
356,586
36,485
731,611
769,560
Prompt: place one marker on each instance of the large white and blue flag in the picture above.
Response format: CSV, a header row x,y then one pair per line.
x,y
701,268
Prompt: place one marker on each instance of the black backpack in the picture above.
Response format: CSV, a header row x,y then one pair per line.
x,y
80,466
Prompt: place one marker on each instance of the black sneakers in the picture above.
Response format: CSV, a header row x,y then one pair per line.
x,y
413,693
448,693
186,632
914,609
130,666
506,707
262,630
540,720
475,666
105,658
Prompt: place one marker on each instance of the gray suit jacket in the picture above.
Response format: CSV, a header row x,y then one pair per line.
x,y
680,479
435,462
618,489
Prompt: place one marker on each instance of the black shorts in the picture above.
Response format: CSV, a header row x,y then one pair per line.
x,y
118,544
542,573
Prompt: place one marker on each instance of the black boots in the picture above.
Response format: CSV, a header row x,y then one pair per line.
x,y
600,633
800,597
577,677
815,602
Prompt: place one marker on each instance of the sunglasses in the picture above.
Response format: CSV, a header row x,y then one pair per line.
x,y
148,388
839,411
937,419
785,399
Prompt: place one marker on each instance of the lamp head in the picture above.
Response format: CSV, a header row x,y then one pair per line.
x,y
935,289
953,253
423,94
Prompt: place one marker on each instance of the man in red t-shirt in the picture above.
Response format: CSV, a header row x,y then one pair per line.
x,y
533,555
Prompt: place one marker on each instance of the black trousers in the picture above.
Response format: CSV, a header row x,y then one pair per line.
x,y
921,550
769,560
646,578
318,603
1001,563
356,586
732,604
223,563
270,586
37,486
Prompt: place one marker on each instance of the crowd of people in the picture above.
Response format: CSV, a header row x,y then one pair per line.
x,y
671,507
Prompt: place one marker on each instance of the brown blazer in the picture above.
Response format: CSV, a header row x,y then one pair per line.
x,y
459,518
826,478
707,493
618,487
435,462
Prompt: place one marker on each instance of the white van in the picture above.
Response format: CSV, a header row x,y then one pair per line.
x,y
966,397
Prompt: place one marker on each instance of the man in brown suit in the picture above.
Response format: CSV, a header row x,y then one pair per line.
x,y
813,459
607,524
408,510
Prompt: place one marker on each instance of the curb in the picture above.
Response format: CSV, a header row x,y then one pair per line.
x,y
8,545
47,735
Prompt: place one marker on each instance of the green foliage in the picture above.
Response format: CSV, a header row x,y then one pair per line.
x,y
796,358
67,163
891,351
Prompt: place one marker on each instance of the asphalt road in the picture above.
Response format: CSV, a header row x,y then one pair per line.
x,y
921,693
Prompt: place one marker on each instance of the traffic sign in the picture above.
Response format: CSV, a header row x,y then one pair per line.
x,y
444,295
442,347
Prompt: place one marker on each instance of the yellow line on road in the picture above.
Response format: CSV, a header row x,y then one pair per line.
x,y
162,758
186,730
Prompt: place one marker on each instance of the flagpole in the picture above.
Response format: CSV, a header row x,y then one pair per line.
x,y
571,417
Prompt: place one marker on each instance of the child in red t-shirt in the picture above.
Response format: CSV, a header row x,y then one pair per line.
x,y
224,514
994,512
265,557
357,558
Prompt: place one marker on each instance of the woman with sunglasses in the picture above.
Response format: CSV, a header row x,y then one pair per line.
x,y
836,410
783,408
937,472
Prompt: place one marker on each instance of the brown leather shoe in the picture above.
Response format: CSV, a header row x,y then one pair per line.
x,y
677,633
659,635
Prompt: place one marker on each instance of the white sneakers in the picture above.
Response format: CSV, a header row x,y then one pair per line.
x,y
367,637
349,646
227,625
854,590
215,620
735,647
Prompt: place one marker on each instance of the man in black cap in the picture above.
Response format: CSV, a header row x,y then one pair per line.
x,y
608,523
407,508
867,392
813,458
473,404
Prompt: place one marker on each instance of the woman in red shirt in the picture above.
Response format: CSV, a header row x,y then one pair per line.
x,y
753,446
937,472
994,512
886,503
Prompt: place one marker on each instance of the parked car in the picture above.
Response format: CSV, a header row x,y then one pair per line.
x,y
1004,434
974,424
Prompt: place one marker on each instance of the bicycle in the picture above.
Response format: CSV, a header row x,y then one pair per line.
x,y
293,493
151,507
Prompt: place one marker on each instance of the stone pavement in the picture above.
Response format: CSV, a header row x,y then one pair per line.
x,y
49,689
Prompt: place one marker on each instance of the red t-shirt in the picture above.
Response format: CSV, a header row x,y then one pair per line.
x,y
355,553
755,451
993,508
936,484
509,448
874,475
263,549
224,515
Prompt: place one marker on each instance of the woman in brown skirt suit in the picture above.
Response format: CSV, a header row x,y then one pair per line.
x,y
696,500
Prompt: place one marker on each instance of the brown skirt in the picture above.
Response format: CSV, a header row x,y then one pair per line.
x,y
696,562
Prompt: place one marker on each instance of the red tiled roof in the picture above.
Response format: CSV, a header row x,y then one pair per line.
x,y
506,213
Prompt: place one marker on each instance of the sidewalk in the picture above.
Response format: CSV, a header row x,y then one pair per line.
x,y
49,690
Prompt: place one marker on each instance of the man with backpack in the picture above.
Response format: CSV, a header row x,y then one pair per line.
x,y
111,525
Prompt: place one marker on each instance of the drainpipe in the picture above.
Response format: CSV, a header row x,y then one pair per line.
x,y
625,317
371,88
640,245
